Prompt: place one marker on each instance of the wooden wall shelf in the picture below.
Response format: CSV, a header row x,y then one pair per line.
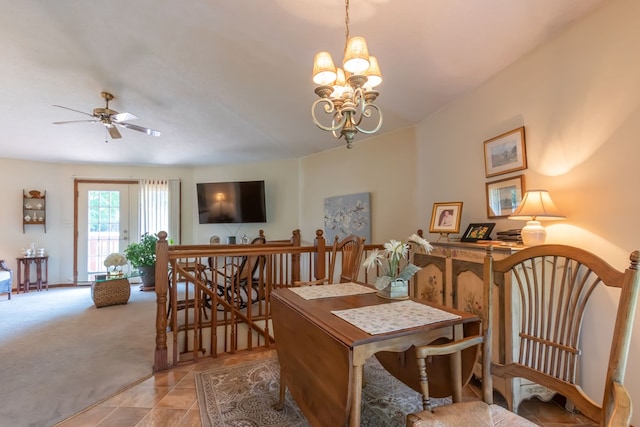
x,y
34,209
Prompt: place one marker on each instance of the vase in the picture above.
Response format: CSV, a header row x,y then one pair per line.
x,y
397,289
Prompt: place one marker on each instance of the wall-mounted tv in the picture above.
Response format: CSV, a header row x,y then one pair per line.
x,y
231,202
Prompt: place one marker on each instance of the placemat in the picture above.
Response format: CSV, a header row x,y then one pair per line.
x,y
382,318
332,291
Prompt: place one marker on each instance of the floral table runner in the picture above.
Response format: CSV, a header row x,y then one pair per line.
x,y
330,291
382,318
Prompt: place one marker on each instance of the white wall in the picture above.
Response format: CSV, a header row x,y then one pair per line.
x,y
578,98
385,166
57,181
281,194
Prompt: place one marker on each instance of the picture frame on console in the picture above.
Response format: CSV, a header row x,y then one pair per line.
x,y
504,196
445,218
478,231
505,153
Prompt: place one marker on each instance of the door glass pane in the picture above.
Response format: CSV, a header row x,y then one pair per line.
x,y
103,228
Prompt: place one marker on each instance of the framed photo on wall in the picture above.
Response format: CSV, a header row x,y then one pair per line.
x,y
504,196
505,153
445,218
478,231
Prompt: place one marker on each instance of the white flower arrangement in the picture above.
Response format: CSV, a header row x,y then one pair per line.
x,y
389,260
115,260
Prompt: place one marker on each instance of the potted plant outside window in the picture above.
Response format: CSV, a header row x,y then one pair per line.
x,y
142,256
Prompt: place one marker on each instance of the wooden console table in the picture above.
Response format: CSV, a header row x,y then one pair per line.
x,y
24,269
322,356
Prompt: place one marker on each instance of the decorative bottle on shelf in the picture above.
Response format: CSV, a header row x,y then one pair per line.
x,y
245,239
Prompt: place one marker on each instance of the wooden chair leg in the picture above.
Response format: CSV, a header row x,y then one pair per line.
x,y
456,376
424,384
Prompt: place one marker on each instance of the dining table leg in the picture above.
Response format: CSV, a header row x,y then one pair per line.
x,y
356,396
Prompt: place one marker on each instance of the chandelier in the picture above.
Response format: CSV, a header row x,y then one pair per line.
x,y
347,94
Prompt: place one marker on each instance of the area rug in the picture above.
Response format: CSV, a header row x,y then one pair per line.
x,y
244,395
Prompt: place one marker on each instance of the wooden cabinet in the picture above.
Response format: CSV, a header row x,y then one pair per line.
x,y
452,275
34,209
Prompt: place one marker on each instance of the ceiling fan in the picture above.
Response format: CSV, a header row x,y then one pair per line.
x,y
109,118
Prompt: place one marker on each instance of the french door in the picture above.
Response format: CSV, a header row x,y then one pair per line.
x,y
106,215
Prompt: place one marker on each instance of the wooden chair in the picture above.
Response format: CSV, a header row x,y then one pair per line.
x,y
349,251
551,285
238,282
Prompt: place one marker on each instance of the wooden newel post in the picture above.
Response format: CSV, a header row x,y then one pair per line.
x,y
319,256
295,258
162,278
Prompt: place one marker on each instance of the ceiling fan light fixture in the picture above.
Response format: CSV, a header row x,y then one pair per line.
x,y
109,118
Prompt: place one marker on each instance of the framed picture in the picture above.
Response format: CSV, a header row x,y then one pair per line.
x,y
445,217
347,214
504,196
505,153
478,231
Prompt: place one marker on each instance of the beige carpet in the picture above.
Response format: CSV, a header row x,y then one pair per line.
x,y
61,354
244,395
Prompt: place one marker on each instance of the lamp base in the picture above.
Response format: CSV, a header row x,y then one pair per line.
x,y
533,234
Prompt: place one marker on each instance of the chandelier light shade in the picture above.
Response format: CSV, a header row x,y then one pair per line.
x,y
346,94
536,204
356,55
374,77
324,71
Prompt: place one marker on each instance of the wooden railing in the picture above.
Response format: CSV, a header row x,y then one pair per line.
x,y
205,308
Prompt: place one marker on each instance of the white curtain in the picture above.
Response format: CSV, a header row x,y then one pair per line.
x,y
160,207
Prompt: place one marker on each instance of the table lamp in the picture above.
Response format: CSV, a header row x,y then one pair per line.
x,y
536,204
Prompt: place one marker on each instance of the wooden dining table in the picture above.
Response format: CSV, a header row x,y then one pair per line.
x,y
322,355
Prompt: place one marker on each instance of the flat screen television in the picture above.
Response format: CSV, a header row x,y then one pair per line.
x,y
231,202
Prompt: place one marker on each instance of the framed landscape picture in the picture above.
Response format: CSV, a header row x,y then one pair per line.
x,y
505,153
504,196
445,217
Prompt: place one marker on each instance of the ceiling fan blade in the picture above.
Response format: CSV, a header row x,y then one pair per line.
x,y
140,129
122,117
77,111
113,131
76,121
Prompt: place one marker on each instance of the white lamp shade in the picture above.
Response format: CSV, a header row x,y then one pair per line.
x,y
338,84
356,55
324,71
536,204
374,77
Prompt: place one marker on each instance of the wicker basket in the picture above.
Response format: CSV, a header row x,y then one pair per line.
x,y
110,292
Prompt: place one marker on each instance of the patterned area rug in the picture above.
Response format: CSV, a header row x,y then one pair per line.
x,y
244,395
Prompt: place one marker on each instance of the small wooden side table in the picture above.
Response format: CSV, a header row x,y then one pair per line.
x,y
111,291
24,267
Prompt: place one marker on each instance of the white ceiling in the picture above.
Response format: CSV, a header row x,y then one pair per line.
x,y
229,81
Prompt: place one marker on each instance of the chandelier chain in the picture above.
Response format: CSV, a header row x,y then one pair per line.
x,y
346,20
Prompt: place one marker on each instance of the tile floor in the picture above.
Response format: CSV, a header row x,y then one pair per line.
x,y
168,399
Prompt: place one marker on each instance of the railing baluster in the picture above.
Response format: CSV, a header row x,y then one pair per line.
x,y
201,296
